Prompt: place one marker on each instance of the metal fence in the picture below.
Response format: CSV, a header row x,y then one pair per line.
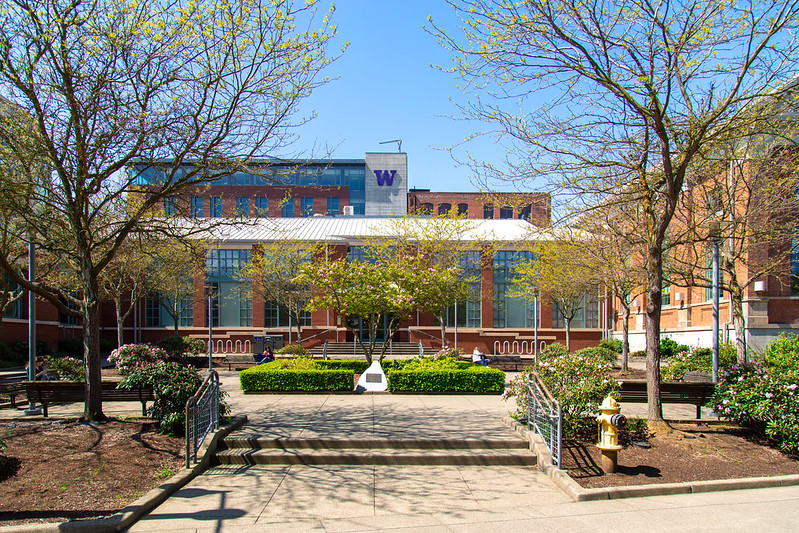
x,y
202,415
544,416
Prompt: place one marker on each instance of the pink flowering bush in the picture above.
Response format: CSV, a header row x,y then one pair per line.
x,y
67,368
449,353
763,398
128,356
580,383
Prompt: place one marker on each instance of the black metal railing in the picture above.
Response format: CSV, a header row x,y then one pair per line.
x,y
202,415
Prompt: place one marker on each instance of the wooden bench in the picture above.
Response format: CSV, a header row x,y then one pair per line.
x,y
693,393
239,359
47,392
12,385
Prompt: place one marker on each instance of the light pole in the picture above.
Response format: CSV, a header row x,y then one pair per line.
x,y
209,289
32,409
535,328
715,295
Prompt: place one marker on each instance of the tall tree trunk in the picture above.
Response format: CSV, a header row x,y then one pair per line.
x,y
93,407
653,312
568,334
738,319
120,322
625,338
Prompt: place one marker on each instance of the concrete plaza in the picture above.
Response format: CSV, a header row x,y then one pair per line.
x,y
427,498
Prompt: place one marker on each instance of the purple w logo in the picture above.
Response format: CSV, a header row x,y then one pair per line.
x,y
385,177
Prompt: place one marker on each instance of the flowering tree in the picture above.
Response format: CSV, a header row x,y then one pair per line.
x,y
387,291
180,92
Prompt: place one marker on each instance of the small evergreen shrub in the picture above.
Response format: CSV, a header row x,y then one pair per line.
x,y
638,353
599,352
427,378
173,385
21,349
177,346
293,350
72,347
614,345
302,377
358,366
128,356
65,367
783,353
8,357
670,348
553,351
699,360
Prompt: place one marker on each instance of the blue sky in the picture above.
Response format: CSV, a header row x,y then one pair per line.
x,y
386,89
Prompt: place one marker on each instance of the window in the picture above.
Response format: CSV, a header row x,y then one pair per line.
x,y
242,206
287,209
277,317
426,210
665,294
170,206
467,313
306,207
332,207
224,264
463,209
12,288
245,310
196,207
488,211
525,212
187,312
506,212
261,206
444,209
212,290
586,317
216,207
152,313
510,312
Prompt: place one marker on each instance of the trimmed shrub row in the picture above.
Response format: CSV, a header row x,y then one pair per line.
x,y
474,378
271,377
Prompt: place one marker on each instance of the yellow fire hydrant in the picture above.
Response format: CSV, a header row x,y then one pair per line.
x,y
608,424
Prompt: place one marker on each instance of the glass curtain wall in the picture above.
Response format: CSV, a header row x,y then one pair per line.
x,y
510,312
468,312
232,297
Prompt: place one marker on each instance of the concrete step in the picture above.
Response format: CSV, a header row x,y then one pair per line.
x,y
375,451
349,456
509,443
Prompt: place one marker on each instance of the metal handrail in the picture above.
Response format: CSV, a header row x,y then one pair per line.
x,y
544,416
202,415
320,333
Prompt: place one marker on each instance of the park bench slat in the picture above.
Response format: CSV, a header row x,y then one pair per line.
x,y
12,385
692,393
47,392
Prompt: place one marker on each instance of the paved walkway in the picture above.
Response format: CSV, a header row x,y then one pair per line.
x,y
426,498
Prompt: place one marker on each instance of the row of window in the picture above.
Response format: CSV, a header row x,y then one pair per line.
x,y
505,211
261,204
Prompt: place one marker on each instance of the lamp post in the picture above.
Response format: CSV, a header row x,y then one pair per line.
x,y
715,295
209,289
535,328
32,409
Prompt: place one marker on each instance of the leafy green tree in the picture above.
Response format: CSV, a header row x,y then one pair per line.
x,y
122,92
620,101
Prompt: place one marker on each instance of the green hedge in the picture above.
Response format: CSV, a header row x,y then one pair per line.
x,y
475,378
359,366
269,377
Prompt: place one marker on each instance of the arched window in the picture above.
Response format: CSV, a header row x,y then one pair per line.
x,y
444,209
463,210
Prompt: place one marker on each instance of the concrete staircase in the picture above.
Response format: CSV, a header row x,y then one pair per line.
x,y
345,350
375,451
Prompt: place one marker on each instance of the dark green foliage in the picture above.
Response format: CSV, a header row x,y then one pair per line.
x,y
8,357
614,345
638,353
358,366
783,353
293,349
176,346
42,349
669,348
72,347
599,352
67,368
700,360
272,377
173,385
473,378
553,350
